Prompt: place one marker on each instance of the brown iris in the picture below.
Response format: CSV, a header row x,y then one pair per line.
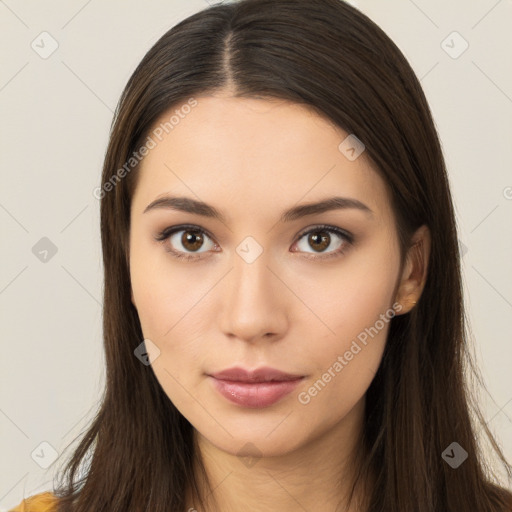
x,y
192,240
320,241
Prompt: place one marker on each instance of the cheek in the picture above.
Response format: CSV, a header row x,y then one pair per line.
x,y
356,306
161,293
166,312
344,364
348,299
169,303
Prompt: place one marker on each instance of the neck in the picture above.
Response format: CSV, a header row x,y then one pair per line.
x,y
317,476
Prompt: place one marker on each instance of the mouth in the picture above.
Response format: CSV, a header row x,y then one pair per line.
x,y
254,389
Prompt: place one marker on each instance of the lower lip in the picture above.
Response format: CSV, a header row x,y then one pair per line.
x,y
255,394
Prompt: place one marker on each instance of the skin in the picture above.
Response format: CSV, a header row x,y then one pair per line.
x,y
252,159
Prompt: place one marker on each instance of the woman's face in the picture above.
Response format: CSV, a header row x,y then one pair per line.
x,y
261,288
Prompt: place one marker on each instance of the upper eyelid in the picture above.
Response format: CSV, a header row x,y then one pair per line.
x,y
171,230
326,227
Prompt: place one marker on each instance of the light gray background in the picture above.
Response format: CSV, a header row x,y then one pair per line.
x,y
56,114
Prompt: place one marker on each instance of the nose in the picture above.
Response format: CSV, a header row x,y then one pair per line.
x,y
254,301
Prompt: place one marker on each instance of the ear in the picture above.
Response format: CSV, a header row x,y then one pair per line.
x,y
414,274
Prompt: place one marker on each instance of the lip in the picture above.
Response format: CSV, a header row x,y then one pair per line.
x,y
257,388
263,374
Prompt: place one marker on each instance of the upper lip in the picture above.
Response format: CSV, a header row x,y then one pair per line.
x,y
263,374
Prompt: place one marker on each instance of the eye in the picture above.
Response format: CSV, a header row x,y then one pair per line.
x,y
192,238
320,238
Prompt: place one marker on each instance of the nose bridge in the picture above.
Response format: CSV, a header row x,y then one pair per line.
x,y
252,303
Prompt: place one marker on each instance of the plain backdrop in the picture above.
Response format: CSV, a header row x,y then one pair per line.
x,y
56,112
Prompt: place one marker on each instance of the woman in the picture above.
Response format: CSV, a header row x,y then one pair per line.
x,y
283,314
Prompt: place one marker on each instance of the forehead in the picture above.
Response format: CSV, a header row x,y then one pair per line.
x,y
253,152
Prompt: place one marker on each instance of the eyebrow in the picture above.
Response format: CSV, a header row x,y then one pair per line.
x,y
189,205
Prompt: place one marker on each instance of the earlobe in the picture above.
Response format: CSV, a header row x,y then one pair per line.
x,y
415,271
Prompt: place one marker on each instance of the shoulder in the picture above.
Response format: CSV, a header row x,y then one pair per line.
x,y
43,502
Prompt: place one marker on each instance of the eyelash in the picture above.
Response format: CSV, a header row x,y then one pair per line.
x,y
167,232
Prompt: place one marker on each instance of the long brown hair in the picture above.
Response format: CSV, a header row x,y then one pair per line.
x,y
138,454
